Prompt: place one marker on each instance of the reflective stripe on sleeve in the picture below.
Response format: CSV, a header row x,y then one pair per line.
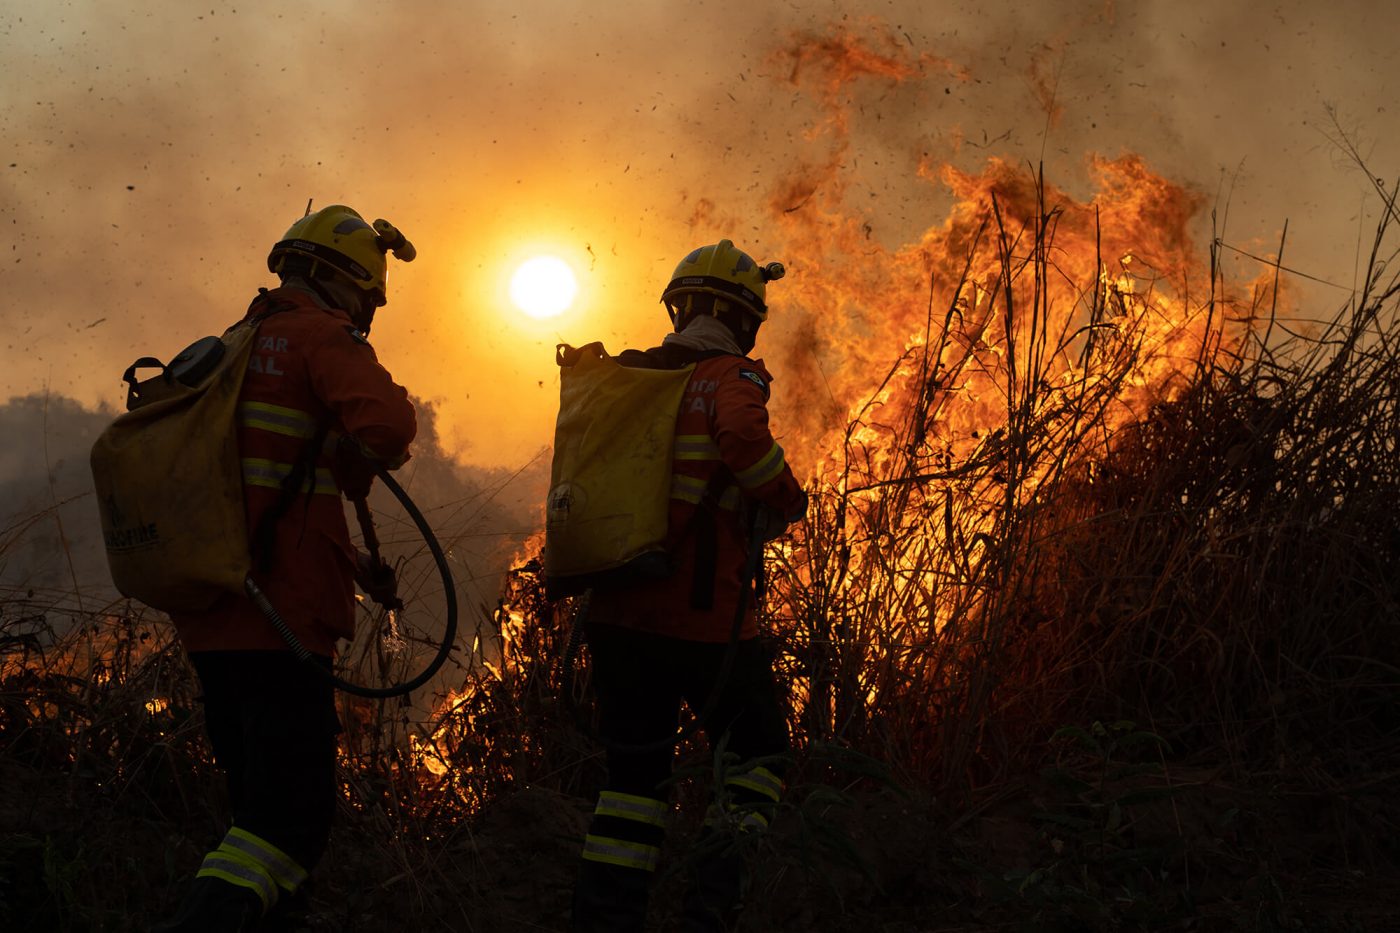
x,y
691,489
636,855
276,418
270,473
632,807
695,447
687,488
767,468
760,781
278,864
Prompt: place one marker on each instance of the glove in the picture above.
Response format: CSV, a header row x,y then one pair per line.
x,y
768,523
377,581
354,468
798,511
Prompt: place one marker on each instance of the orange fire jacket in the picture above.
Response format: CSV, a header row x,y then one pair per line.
x,y
310,369
725,459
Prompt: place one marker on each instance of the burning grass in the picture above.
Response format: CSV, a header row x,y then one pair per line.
x,y
1101,575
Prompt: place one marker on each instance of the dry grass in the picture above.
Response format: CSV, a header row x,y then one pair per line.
x,y
1212,558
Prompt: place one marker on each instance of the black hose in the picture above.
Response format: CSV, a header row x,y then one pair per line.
x,y
449,635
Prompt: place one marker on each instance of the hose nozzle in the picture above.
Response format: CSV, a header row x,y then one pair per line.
x,y
391,239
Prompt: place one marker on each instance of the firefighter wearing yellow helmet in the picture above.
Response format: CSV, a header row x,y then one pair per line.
x,y
722,282
341,258
692,636
271,719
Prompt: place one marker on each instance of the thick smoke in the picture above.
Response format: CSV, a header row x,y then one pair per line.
x,y
50,542
154,151
480,516
51,552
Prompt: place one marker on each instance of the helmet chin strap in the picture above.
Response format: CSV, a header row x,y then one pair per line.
x,y
349,298
742,326
363,318
744,338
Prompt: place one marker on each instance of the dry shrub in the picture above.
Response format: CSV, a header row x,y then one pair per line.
x,y
1218,564
1181,515
103,756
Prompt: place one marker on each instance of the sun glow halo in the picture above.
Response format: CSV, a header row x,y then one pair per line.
x,y
543,287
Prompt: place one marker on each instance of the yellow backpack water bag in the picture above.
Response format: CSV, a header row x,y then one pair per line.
x,y
168,478
610,482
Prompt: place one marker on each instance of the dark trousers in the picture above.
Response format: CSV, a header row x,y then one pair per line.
x,y
640,681
272,723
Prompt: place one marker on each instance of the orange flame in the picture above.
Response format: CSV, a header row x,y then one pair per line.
x,y
978,344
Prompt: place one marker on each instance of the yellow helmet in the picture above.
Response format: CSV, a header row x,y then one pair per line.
x,y
727,273
339,237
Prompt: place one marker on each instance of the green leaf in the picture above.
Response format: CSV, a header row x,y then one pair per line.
x,y
824,795
839,844
1068,732
1066,780
1133,739
1077,823
1132,770
1145,794
1115,818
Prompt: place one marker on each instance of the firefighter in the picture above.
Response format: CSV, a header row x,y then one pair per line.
x,y
655,644
271,718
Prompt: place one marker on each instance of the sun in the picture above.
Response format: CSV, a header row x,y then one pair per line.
x,y
543,287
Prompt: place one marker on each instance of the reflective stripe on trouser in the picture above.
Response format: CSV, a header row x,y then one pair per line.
x,y
251,862
753,795
720,871
647,810
270,473
626,831
759,780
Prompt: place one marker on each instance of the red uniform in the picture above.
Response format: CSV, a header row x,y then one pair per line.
x,y
310,369
722,426
657,645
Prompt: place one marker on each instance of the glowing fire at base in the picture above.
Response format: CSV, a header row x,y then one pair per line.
x,y
943,392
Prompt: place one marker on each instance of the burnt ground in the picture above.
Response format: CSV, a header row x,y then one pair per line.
x,y
1207,856
1196,852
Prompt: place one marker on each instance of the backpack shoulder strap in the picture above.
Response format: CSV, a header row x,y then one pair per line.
x,y
303,473
666,356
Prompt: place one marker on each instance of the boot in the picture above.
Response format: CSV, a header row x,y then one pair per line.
x,y
214,906
290,914
718,878
610,898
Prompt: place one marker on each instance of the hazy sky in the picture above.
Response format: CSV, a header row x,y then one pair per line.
x,y
154,151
